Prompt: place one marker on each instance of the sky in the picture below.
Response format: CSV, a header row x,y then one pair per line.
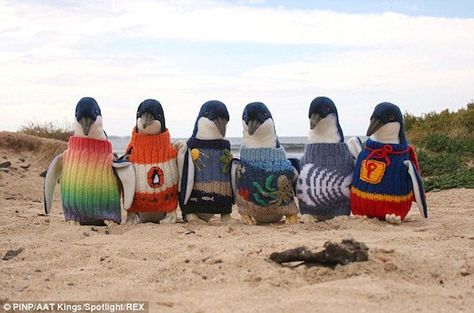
x,y
416,54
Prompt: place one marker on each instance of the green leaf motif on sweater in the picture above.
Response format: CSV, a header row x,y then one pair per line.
x,y
226,160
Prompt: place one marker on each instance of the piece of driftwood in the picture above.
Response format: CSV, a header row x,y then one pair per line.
x,y
11,254
344,252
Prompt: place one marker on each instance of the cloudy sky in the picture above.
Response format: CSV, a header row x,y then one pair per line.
x,y
417,54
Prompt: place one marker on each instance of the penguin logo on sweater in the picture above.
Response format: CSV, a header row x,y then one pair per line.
x,y
155,177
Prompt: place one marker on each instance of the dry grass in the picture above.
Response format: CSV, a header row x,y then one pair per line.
x,y
48,130
43,149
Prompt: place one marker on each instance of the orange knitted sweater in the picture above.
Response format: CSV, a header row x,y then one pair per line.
x,y
156,170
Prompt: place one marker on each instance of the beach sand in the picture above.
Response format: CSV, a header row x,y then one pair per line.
x,y
419,266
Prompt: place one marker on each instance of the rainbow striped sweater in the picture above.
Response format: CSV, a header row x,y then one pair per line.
x,y
156,172
89,187
381,184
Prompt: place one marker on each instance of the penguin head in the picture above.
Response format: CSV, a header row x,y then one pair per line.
x,y
150,118
212,121
88,119
258,125
386,124
324,121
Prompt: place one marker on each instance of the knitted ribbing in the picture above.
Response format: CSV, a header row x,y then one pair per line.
x,y
381,183
264,182
212,190
324,180
156,170
89,188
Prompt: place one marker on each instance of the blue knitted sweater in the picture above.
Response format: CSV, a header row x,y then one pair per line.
x,y
264,181
212,190
389,175
323,186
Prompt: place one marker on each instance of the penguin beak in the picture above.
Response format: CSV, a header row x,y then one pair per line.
x,y
375,124
253,125
221,124
86,123
314,120
147,119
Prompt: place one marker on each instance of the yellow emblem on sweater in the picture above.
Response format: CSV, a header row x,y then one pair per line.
x,y
372,171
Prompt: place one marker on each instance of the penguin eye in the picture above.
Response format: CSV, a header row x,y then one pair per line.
x,y
327,109
206,114
244,116
391,117
158,116
265,115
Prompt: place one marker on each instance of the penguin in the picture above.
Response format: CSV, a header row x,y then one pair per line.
x,y
89,177
326,168
387,176
263,178
205,164
154,159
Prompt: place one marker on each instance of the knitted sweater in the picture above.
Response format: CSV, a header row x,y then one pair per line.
x,y
156,171
212,190
324,180
265,184
381,184
89,188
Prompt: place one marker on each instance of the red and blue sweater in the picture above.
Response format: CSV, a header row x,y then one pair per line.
x,y
381,184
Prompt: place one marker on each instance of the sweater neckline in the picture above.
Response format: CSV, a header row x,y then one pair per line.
x,y
89,144
220,144
371,144
263,154
161,139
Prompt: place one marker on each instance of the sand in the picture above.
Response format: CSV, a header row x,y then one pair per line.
x,y
419,266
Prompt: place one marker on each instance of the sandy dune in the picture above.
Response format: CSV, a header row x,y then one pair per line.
x,y
419,266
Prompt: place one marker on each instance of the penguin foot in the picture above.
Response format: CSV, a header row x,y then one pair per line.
x,y
170,218
358,217
291,219
109,223
308,219
393,219
73,223
248,220
194,219
132,218
226,219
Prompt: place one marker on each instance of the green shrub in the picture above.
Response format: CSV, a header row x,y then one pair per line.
x,y
445,146
48,130
461,178
433,164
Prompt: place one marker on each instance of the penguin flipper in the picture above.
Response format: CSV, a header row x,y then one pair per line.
x,y
418,190
52,175
187,176
235,163
354,144
126,173
295,163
